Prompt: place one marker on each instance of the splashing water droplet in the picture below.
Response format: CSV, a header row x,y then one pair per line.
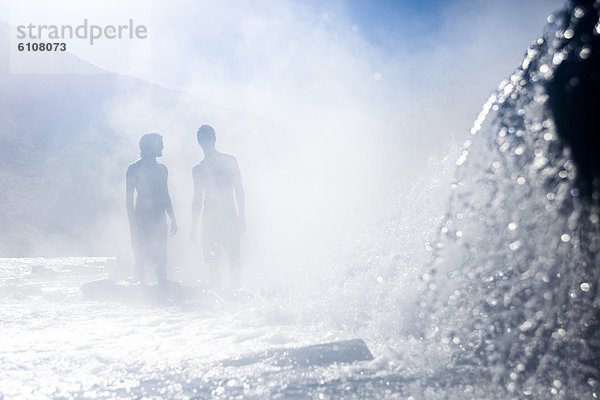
x,y
558,58
525,326
519,150
546,71
569,33
585,287
557,383
585,53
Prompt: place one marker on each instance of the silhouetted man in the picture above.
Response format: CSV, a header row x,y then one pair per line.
x,y
148,180
219,192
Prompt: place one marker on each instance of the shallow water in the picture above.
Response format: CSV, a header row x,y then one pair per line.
x,y
57,344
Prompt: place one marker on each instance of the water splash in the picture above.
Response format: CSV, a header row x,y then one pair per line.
x,y
513,289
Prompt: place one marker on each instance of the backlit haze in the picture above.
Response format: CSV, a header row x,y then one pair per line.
x,y
335,110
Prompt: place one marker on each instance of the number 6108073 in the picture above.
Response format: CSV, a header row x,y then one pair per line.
x,y
42,46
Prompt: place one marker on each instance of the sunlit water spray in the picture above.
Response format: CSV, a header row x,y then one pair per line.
x,y
496,299
512,292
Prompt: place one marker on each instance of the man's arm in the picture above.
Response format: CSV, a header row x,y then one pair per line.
x,y
129,189
169,205
196,201
240,197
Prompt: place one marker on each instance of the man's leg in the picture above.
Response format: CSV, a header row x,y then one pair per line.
x,y
139,256
161,270
212,255
139,270
233,252
160,254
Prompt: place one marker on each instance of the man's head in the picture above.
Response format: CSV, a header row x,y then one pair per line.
x,y
206,137
151,145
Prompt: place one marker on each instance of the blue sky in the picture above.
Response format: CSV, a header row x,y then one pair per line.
x,y
382,20
389,24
